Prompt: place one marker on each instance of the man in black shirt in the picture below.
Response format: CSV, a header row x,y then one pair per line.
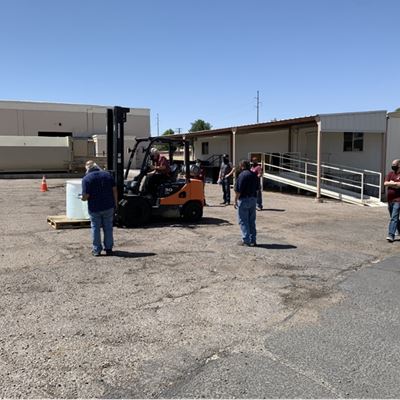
x,y
246,188
226,172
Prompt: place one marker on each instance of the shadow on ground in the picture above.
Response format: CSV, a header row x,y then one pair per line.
x,y
178,222
128,254
275,246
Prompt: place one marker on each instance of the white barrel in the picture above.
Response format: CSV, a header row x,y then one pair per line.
x,y
76,208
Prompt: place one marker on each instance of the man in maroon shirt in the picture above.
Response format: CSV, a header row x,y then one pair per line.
x,y
392,182
256,168
160,172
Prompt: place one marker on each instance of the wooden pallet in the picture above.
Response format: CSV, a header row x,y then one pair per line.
x,y
62,222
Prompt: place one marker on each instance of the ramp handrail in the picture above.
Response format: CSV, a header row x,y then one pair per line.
x,y
358,182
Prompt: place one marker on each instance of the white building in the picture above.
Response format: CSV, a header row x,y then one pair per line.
x,y
358,146
81,127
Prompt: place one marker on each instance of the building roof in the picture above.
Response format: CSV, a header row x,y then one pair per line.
x,y
279,124
361,121
47,106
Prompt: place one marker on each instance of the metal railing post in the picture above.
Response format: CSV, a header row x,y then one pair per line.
x,y
305,173
362,188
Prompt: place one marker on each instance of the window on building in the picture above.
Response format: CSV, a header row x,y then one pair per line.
x,y
353,141
204,148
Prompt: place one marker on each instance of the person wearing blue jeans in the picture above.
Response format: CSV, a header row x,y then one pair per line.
x,y
99,190
102,219
256,168
246,188
394,224
226,172
392,183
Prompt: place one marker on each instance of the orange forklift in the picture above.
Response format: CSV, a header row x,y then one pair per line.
x,y
180,195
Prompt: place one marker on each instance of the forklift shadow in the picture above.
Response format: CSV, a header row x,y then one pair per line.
x,y
178,222
129,254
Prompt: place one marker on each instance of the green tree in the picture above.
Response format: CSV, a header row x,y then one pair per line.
x,y
168,132
398,109
200,125
165,147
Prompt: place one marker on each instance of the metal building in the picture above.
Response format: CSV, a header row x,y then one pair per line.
x,y
83,128
343,155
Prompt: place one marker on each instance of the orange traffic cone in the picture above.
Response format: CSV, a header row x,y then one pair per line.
x,y
43,187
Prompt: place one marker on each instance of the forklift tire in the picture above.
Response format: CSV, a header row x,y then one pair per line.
x,y
134,212
192,211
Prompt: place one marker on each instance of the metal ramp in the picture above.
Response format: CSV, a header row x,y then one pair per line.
x,y
356,186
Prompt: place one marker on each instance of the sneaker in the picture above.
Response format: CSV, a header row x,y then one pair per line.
x,y
95,253
223,203
390,238
254,244
259,208
241,243
109,252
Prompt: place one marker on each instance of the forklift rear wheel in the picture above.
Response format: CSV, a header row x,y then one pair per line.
x,y
192,211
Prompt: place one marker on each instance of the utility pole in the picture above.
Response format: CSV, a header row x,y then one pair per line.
x,y
258,106
178,130
158,125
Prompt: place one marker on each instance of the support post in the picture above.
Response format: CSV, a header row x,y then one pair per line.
x,y
234,130
318,197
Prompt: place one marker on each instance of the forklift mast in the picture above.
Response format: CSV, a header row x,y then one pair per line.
x,y
115,145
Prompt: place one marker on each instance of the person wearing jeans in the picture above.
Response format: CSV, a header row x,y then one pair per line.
x,y
246,188
102,219
256,168
100,191
247,220
392,182
226,172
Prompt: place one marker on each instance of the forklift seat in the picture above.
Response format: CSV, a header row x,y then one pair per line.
x,y
174,171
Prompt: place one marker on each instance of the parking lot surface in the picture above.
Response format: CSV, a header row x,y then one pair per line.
x,y
174,300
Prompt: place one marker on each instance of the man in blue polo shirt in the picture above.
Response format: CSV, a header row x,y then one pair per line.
x,y
100,191
246,188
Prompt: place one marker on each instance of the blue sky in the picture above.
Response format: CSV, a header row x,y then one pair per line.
x,y
190,59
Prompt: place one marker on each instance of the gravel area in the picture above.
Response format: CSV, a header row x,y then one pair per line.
x,y
175,296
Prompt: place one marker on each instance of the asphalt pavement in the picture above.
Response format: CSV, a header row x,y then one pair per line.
x,y
351,350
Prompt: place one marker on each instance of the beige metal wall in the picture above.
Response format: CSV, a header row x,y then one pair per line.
x,y
393,139
261,142
34,154
216,145
370,158
27,119
265,142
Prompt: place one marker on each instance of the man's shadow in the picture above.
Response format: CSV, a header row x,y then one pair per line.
x,y
276,246
129,254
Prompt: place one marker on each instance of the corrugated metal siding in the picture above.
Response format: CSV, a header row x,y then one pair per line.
x,y
372,121
393,139
34,154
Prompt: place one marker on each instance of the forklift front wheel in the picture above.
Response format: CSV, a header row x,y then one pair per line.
x,y
133,212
